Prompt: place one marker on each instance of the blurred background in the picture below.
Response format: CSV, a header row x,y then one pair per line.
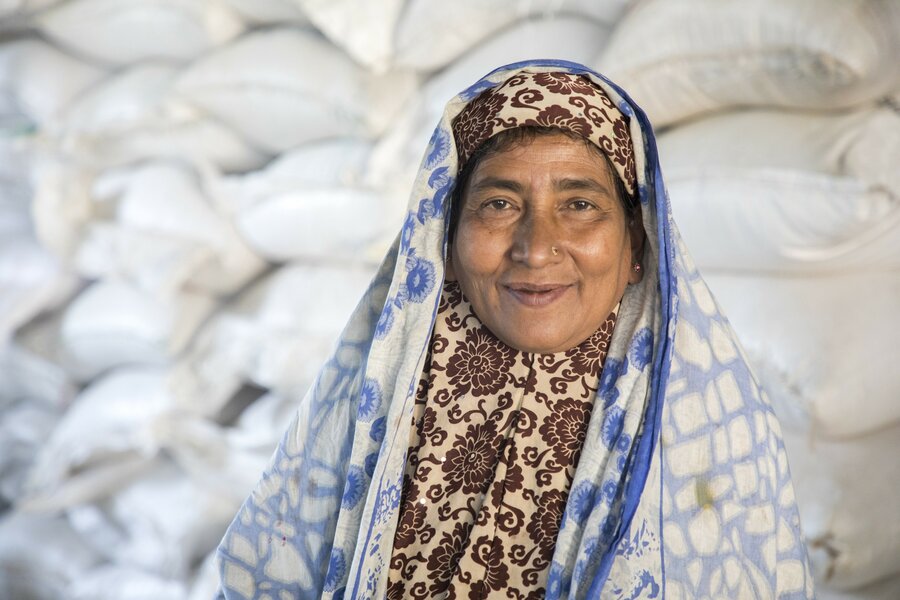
x,y
194,194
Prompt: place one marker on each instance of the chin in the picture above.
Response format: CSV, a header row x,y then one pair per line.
x,y
537,344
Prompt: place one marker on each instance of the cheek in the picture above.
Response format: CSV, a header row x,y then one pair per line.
x,y
477,253
606,256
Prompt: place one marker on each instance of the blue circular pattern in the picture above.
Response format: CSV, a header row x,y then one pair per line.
x,y
378,429
406,234
609,491
371,461
438,148
370,399
581,500
355,488
420,276
608,378
612,425
554,581
385,321
641,348
337,570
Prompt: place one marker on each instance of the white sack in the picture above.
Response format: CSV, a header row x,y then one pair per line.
x,y
887,589
166,236
282,328
681,58
430,35
228,460
268,11
125,583
61,206
115,323
206,579
26,375
15,191
823,347
24,427
104,440
163,523
779,221
122,33
12,8
283,87
310,204
571,38
43,80
365,30
863,144
40,556
133,116
848,501
31,281
317,224
335,163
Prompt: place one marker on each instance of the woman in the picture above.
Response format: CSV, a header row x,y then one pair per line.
x,y
537,397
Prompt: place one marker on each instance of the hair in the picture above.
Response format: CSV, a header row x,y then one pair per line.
x,y
517,136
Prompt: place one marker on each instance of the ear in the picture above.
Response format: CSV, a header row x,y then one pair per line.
x,y
638,241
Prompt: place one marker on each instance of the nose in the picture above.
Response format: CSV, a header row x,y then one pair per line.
x,y
536,242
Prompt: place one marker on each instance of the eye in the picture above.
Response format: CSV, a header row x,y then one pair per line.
x,y
496,204
580,204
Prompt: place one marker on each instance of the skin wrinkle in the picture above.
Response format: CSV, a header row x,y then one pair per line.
x,y
518,204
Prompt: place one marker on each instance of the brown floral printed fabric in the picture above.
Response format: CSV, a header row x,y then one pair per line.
x,y
495,439
562,100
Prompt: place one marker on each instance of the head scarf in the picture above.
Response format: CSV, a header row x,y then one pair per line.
x,y
561,100
682,490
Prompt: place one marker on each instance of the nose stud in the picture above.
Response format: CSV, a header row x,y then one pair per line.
x,y
554,250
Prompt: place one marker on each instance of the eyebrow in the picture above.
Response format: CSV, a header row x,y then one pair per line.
x,y
497,183
586,184
562,185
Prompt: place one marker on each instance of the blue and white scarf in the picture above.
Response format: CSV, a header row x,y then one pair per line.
x,y
682,489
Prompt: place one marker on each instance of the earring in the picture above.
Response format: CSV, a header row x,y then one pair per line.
x,y
637,267
554,250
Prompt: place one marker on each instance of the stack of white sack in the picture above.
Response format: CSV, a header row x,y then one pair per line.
x,y
707,56
794,219
162,523
106,438
258,87
41,556
807,215
277,333
430,37
34,392
32,279
123,33
287,211
164,234
134,115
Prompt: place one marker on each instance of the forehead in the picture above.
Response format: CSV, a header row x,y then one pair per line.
x,y
551,155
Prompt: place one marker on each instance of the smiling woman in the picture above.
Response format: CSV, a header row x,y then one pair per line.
x,y
534,392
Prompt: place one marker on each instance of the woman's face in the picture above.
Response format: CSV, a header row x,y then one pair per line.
x,y
520,204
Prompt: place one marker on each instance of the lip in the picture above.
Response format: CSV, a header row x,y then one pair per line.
x,y
536,294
